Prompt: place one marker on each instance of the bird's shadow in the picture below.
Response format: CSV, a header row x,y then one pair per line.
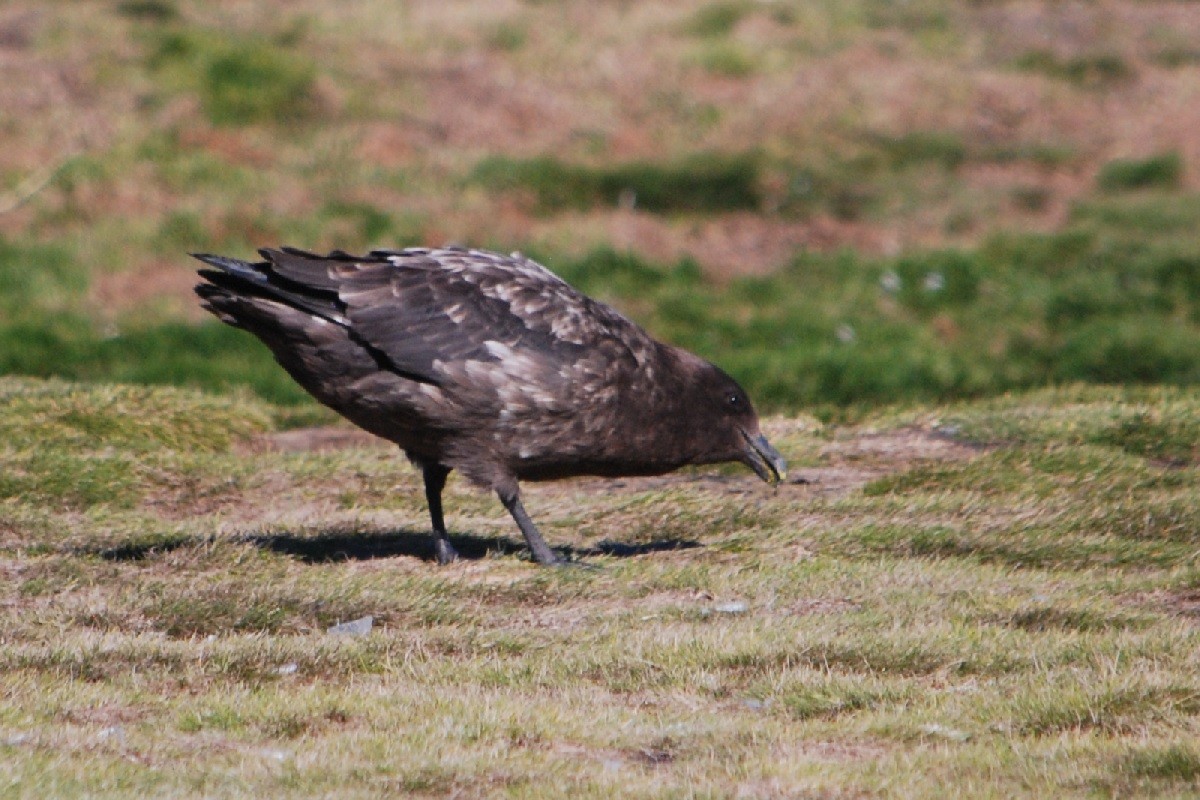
x,y
343,545
353,546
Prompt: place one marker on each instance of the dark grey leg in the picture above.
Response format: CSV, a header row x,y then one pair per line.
x,y
435,481
537,545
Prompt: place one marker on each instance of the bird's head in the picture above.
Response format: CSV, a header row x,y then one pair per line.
x,y
724,418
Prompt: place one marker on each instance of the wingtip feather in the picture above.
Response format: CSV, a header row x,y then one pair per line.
x,y
231,266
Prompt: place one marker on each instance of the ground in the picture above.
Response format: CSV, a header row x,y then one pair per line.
x,y
941,599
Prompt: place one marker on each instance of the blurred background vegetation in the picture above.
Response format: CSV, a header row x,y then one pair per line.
x,y
844,203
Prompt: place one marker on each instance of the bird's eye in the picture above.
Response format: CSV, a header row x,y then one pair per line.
x,y
734,400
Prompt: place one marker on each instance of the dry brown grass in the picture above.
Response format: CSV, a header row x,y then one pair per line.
x,y
410,98
918,613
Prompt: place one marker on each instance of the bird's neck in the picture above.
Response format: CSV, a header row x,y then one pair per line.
x,y
660,417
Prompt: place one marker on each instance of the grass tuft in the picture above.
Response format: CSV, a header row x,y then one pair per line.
x,y
1094,71
1175,763
717,19
158,11
727,59
257,83
825,702
1159,172
508,37
922,147
240,81
706,182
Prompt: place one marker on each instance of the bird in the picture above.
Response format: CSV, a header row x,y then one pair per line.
x,y
488,364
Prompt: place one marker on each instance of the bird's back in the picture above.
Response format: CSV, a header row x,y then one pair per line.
x,y
442,350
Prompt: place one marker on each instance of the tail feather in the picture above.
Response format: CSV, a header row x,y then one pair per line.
x,y
219,302
235,279
249,296
302,268
234,266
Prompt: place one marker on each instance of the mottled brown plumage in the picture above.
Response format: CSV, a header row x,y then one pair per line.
x,y
487,364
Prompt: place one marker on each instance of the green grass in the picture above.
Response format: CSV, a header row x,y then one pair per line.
x,y
254,84
1177,763
1097,303
165,621
727,59
208,355
149,10
1092,71
842,329
239,81
704,182
717,19
920,16
922,147
1162,171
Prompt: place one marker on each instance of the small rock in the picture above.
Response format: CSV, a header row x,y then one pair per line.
x,y
355,627
15,739
112,732
733,607
287,669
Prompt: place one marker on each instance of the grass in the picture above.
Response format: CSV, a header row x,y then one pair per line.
x,y
1095,71
832,330
1179,763
920,147
717,19
150,10
167,635
726,59
239,81
171,353
1162,171
701,182
1096,302
987,588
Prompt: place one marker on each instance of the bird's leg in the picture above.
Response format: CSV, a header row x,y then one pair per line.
x,y
435,481
511,498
